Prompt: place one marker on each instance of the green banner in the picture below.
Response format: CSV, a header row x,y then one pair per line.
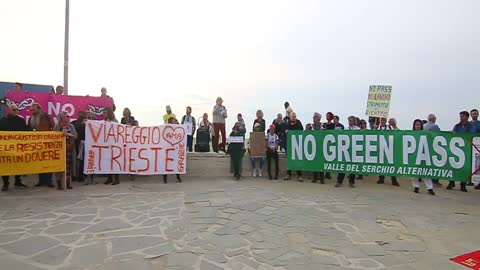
x,y
424,154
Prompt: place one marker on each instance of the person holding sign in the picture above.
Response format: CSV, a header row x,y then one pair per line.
x,y
258,126
236,150
189,121
172,121
71,135
109,116
272,153
13,122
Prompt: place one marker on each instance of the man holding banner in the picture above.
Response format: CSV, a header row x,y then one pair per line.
x,y
341,176
13,122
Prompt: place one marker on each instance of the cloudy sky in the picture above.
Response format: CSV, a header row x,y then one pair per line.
x,y
318,55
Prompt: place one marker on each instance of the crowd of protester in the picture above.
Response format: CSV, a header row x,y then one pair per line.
x,y
275,136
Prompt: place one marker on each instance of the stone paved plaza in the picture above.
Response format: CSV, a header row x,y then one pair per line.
x,y
211,224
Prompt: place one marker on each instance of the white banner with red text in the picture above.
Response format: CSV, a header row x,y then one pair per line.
x,y
112,148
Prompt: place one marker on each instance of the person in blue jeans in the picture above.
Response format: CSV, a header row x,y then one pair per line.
x,y
462,127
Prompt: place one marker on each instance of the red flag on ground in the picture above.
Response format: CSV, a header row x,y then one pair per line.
x,y
470,260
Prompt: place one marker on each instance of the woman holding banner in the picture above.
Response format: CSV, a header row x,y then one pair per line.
x,y
172,121
71,135
418,125
110,117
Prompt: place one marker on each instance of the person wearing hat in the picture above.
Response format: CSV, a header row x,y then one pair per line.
x,y
168,115
236,150
272,146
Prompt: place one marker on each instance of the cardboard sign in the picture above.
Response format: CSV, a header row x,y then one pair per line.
x,y
378,103
112,148
31,152
258,144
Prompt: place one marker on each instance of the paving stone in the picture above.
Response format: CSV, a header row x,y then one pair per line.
x,y
358,238
229,241
178,203
235,252
54,256
5,238
78,211
405,246
16,223
66,228
248,262
372,249
89,255
38,225
11,230
152,222
231,210
166,213
127,244
109,212
124,265
132,215
204,265
30,245
107,225
181,259
216,257
159,250
273,254
69,239
154,230
44,216
8,263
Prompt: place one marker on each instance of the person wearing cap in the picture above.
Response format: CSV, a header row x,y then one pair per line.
x,y
258,126
236,150
219,116
168,115
294,124
272,153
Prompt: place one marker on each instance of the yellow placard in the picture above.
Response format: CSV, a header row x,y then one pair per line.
x,y
31,152
378,103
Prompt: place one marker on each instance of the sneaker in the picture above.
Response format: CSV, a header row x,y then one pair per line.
x,y
254,173
322,181
287,178
416,190
380,182
450,186
470,184
328,176
464,189
338,185
352,185
5,188
179,180
300,179
20,185
395,183
431,192
260,173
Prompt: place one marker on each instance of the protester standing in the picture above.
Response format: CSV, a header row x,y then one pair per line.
x,y
172,121
279,124
338,125
474,122
294,124
103,93
272,152
127,118
189,121
109,116
71,135
462,127
79,125
432,126
317,126
341,176
418,125
168,115
18,87
59,90
329,125
393,123
40,121
236,150
385,127
12,122
219,116
258,126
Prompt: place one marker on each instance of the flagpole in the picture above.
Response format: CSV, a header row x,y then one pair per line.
x,y
65,63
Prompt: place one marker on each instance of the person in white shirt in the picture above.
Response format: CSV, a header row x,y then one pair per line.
x,y
272,146
351,177
189,121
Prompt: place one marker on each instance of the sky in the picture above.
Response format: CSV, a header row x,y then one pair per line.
x,y
319,55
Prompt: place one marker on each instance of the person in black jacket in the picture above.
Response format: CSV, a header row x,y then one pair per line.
x,y
294,124
13,122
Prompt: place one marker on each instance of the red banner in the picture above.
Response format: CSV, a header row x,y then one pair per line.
x,y
470,260
54,104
